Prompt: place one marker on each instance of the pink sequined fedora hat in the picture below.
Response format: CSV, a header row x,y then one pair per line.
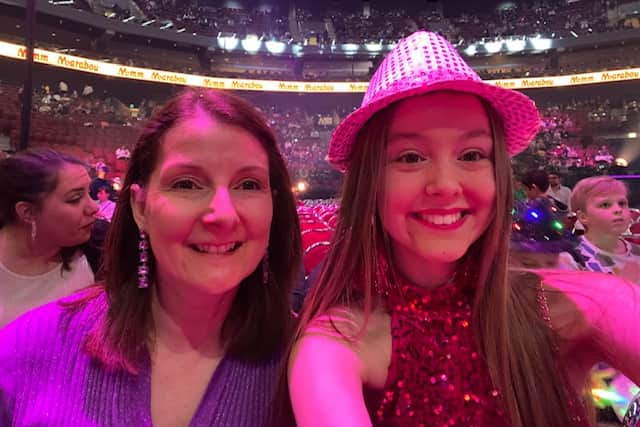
x,y
425,62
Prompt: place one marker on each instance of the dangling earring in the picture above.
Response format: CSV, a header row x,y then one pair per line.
x,y
265,269
34,230
143,261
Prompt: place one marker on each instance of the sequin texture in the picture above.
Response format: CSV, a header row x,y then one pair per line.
x,y
437,376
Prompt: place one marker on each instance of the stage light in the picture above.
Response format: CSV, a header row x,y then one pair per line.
x,y
471,50
493,46
622,162
302,186
373,47
227,43
131,18
632,135
540,43
573,33
251,43
297,50
557,225
350,48
275,47
516,45
149,22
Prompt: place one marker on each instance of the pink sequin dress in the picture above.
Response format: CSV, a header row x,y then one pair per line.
x,y
436,376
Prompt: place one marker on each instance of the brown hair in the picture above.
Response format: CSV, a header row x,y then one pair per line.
x,y
514,340
30,176
259,323
587,188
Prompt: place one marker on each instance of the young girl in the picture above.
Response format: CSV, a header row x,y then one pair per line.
x,y
414,320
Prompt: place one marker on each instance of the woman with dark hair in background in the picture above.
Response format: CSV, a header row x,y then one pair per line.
x,y
190,324
45,214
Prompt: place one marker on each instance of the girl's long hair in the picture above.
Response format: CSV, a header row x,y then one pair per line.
x,y
517,345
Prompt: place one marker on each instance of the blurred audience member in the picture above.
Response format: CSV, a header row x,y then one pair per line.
x,y
106,207
539,238
557,191
100,180
535,184
603,209
45,215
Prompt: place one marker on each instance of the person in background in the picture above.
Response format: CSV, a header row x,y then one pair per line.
x,y
46,214
539,238
535,184
106,207
557,191
100,180
602,207
191,321
519,194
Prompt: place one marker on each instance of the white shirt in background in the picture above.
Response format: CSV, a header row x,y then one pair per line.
x,y
19,294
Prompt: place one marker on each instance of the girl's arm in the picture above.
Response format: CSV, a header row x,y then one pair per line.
x,y
602,311
325,376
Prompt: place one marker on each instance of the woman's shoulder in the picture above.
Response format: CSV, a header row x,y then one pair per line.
x,y
51,327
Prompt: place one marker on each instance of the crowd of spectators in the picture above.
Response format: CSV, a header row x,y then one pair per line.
x,y
564,142
209,20
549,18
62,101
386,27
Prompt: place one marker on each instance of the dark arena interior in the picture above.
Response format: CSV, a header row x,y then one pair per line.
x,y
86,77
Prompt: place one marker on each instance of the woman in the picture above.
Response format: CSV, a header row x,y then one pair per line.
x,y
414,320
190,323
45,215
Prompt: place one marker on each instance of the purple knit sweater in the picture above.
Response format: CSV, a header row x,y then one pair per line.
x,y
47,380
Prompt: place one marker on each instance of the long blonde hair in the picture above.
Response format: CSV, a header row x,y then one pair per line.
x,y
519,348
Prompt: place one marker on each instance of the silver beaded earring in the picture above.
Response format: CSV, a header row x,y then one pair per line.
x,y
143,261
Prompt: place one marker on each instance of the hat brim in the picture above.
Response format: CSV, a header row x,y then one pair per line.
x,y
520,117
